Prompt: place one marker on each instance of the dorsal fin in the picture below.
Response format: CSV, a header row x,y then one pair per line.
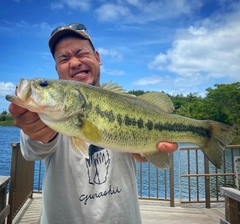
x,y
114,87
161,100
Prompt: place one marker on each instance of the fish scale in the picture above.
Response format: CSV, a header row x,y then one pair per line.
x,y
135,132
108,117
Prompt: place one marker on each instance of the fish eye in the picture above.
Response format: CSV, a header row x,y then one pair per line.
x,y
43,83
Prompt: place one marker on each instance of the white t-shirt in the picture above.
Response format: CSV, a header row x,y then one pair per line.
x,y
101,189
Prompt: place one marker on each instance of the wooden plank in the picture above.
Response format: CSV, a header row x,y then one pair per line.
x,y
232,204
222,221
152,212
231,193
4,209
4,180
4,213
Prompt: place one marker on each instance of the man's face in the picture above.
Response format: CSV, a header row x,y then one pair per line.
x,y
76,60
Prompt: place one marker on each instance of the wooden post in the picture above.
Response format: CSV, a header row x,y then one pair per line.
x,y
232,204
21,187
172,182
4,208
207,180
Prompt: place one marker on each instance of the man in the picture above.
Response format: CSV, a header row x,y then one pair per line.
x,y
101,189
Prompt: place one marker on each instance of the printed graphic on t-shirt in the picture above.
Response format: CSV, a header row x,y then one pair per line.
x,y
97,164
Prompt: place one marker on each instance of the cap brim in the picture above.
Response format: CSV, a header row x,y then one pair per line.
x,y
65,32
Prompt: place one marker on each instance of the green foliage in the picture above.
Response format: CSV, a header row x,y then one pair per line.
x,y
191,106
6,120
136,92
178,101
4,112
223,103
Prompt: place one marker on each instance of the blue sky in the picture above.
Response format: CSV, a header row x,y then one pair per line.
x,y
177,46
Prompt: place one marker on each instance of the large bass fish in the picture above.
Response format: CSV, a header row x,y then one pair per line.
x,y
108,117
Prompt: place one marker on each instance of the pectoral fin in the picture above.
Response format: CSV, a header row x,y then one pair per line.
x,y
159,159
79,147
91,134
90,131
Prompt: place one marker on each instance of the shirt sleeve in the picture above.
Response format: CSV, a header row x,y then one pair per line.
x,y
36,150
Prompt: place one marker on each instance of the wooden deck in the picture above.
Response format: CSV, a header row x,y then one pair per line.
x,y
153,212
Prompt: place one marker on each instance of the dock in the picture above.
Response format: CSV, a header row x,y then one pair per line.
x,y
202,197
152,212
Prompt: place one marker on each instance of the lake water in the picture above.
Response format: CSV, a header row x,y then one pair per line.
x,y
7,136
11,134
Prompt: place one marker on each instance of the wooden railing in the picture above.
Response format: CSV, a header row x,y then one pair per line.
x,y
199,175
232,205
192,178
154,183
195,181
21,186
4,207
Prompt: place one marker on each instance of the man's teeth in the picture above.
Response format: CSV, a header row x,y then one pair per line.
x,y
81,73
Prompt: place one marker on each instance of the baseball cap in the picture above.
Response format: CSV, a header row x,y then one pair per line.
x,y
73,28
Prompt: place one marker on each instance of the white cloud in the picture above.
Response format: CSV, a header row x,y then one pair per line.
x,y
45,55
110,53
171,85
114,72
153,80
82,5
6,88
22,26
136,3
143,11
111,12
158,62
211,49
57,5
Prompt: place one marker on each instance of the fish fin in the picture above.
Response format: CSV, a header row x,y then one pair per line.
x,y
90,131
159,159
161,100
221,135
78,145
114,87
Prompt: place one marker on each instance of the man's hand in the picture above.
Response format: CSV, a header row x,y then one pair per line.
x,y
31,124
161,146
167,146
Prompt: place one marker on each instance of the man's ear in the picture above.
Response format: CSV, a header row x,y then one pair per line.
x,y
97,55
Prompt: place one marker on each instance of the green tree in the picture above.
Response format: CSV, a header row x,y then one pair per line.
x,y
136,92
223,103
4,112
178,101
190,106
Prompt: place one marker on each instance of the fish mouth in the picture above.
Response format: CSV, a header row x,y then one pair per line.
x,y
80,73
26,91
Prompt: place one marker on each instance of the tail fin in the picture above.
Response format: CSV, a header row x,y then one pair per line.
x,y
221,135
